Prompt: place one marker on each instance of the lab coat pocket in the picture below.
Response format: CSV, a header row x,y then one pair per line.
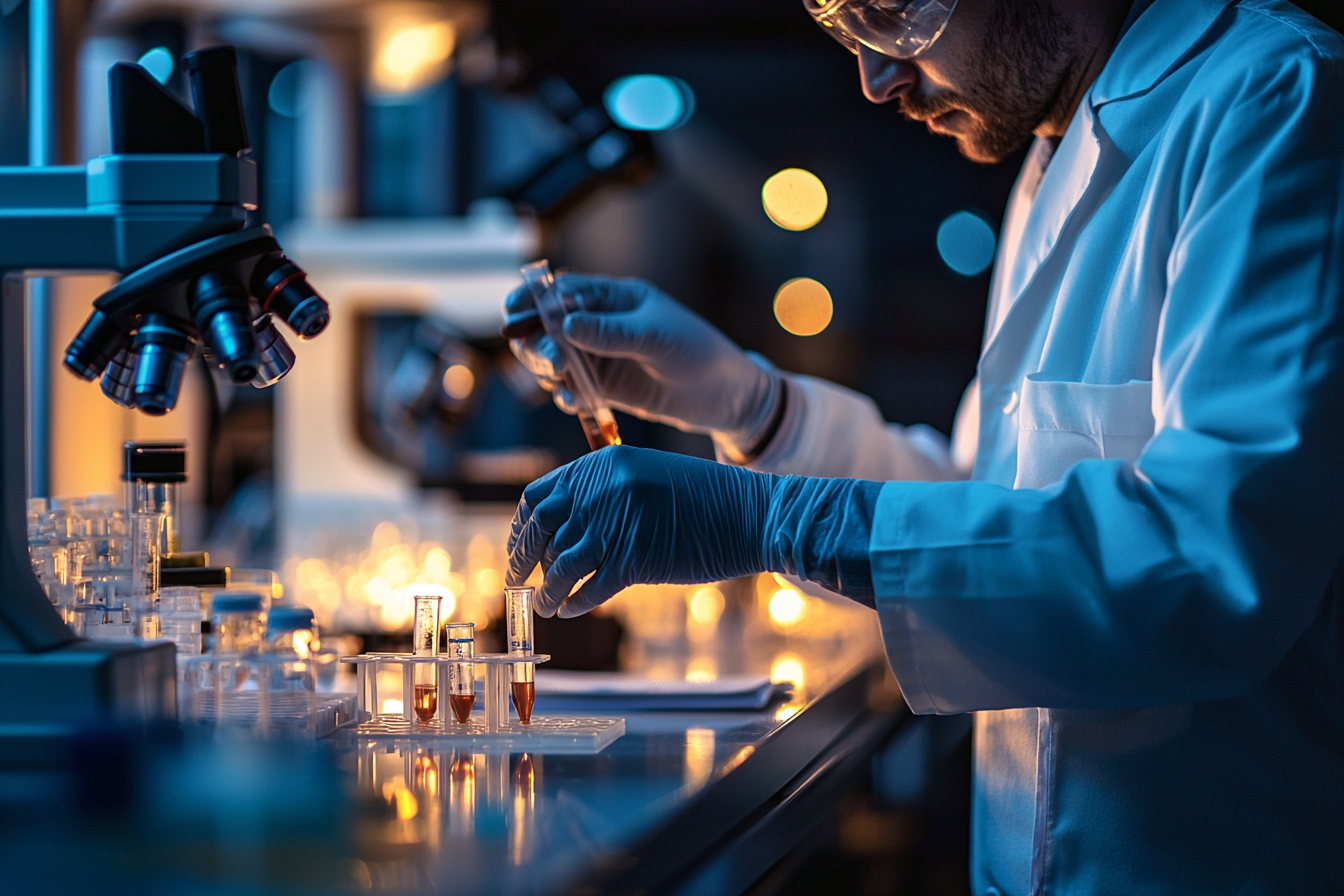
x,y
1062,423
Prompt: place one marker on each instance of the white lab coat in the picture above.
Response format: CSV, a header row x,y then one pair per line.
x,y
1148,532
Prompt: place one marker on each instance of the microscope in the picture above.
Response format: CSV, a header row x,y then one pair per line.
x,y
168,209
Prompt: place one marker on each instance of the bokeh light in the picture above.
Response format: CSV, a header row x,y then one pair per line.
x,y
794,199
803,307
409,53
458,381
787,607
649,102
706,605
288,94
787,667
159,63
966,243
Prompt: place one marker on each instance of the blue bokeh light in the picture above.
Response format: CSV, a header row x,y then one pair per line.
x,y
649,102
966,243
287,94
159,63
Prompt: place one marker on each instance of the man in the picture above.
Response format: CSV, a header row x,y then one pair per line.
x,y
1127,563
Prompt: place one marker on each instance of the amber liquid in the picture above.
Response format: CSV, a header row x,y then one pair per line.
x,y
461,705
524,693
426,701
599,434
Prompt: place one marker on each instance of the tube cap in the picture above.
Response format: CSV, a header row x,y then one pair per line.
x,y
286,619
236,602
156,462
194,576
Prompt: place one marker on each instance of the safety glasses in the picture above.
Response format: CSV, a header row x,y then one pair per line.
x,y
898,28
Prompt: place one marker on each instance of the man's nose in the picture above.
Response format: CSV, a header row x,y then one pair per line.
x,y
884,78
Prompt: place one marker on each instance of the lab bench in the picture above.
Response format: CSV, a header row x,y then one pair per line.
x,y
702,802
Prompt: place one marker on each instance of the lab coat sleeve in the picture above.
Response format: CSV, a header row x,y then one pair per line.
x,y
1189,574
832,431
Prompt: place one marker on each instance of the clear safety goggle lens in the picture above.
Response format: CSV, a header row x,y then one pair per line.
x,y
898,28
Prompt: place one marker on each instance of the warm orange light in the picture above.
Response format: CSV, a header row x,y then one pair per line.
x,y
788,668
458,381
706,605
408,52
803,307
787,607
794,199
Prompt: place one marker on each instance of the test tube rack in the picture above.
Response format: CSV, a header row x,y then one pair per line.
x,y
494,730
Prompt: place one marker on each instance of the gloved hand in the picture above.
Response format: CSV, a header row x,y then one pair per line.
x,y
635,516
653,357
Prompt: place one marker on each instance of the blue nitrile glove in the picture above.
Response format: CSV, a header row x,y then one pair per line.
x,y
634,516
654,358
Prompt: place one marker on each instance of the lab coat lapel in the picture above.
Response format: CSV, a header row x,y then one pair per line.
x,y
1063,186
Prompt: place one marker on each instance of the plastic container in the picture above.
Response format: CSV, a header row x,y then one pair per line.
x,y
291,630
153,472
237,622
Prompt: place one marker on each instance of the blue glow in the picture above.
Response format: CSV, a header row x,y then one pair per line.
x,y
966,243
159,63
287,95
649,102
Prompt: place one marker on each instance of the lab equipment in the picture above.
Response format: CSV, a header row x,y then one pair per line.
x,y
277,358
460,638
237,623
518,620
180,618
493,731
901,29
426,643
291,629
595,416
660,361
154,472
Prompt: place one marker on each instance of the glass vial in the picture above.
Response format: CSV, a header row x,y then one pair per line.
x,y
154,472
426,643
518,618
461,678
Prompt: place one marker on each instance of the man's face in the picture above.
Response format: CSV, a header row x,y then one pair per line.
x,y
992,78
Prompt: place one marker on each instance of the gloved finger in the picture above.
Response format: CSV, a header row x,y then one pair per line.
x,y
522,325
564,399
621,334
596,293
519,301
540,355
527,535
566,571
569,533
602,587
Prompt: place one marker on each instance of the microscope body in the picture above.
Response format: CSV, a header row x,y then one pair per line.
x,y
170,213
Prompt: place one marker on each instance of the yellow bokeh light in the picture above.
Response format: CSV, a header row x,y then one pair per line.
x,y
397,794
794,199
787,607
489,581
393,707
803,307
702,670
409,55
458,381
706,605
788,668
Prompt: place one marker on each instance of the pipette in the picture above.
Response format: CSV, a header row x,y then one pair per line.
x,y
595,416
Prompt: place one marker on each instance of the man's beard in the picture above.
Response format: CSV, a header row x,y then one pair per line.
x,y
1020,73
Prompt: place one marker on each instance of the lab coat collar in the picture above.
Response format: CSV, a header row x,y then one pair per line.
x,y
1154,46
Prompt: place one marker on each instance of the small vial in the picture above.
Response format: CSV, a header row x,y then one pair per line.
x,y
461,678
426,643
236,622
154,472
518,618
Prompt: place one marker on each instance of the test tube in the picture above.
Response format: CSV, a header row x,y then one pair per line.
x,y
518,612
154,472
426,693
461,678
595,416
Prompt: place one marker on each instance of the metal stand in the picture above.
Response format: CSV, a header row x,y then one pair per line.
x,y
495,732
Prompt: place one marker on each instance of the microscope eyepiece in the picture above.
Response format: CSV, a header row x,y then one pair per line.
x,y
219,305
97,342
277,358
164,349
282,287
